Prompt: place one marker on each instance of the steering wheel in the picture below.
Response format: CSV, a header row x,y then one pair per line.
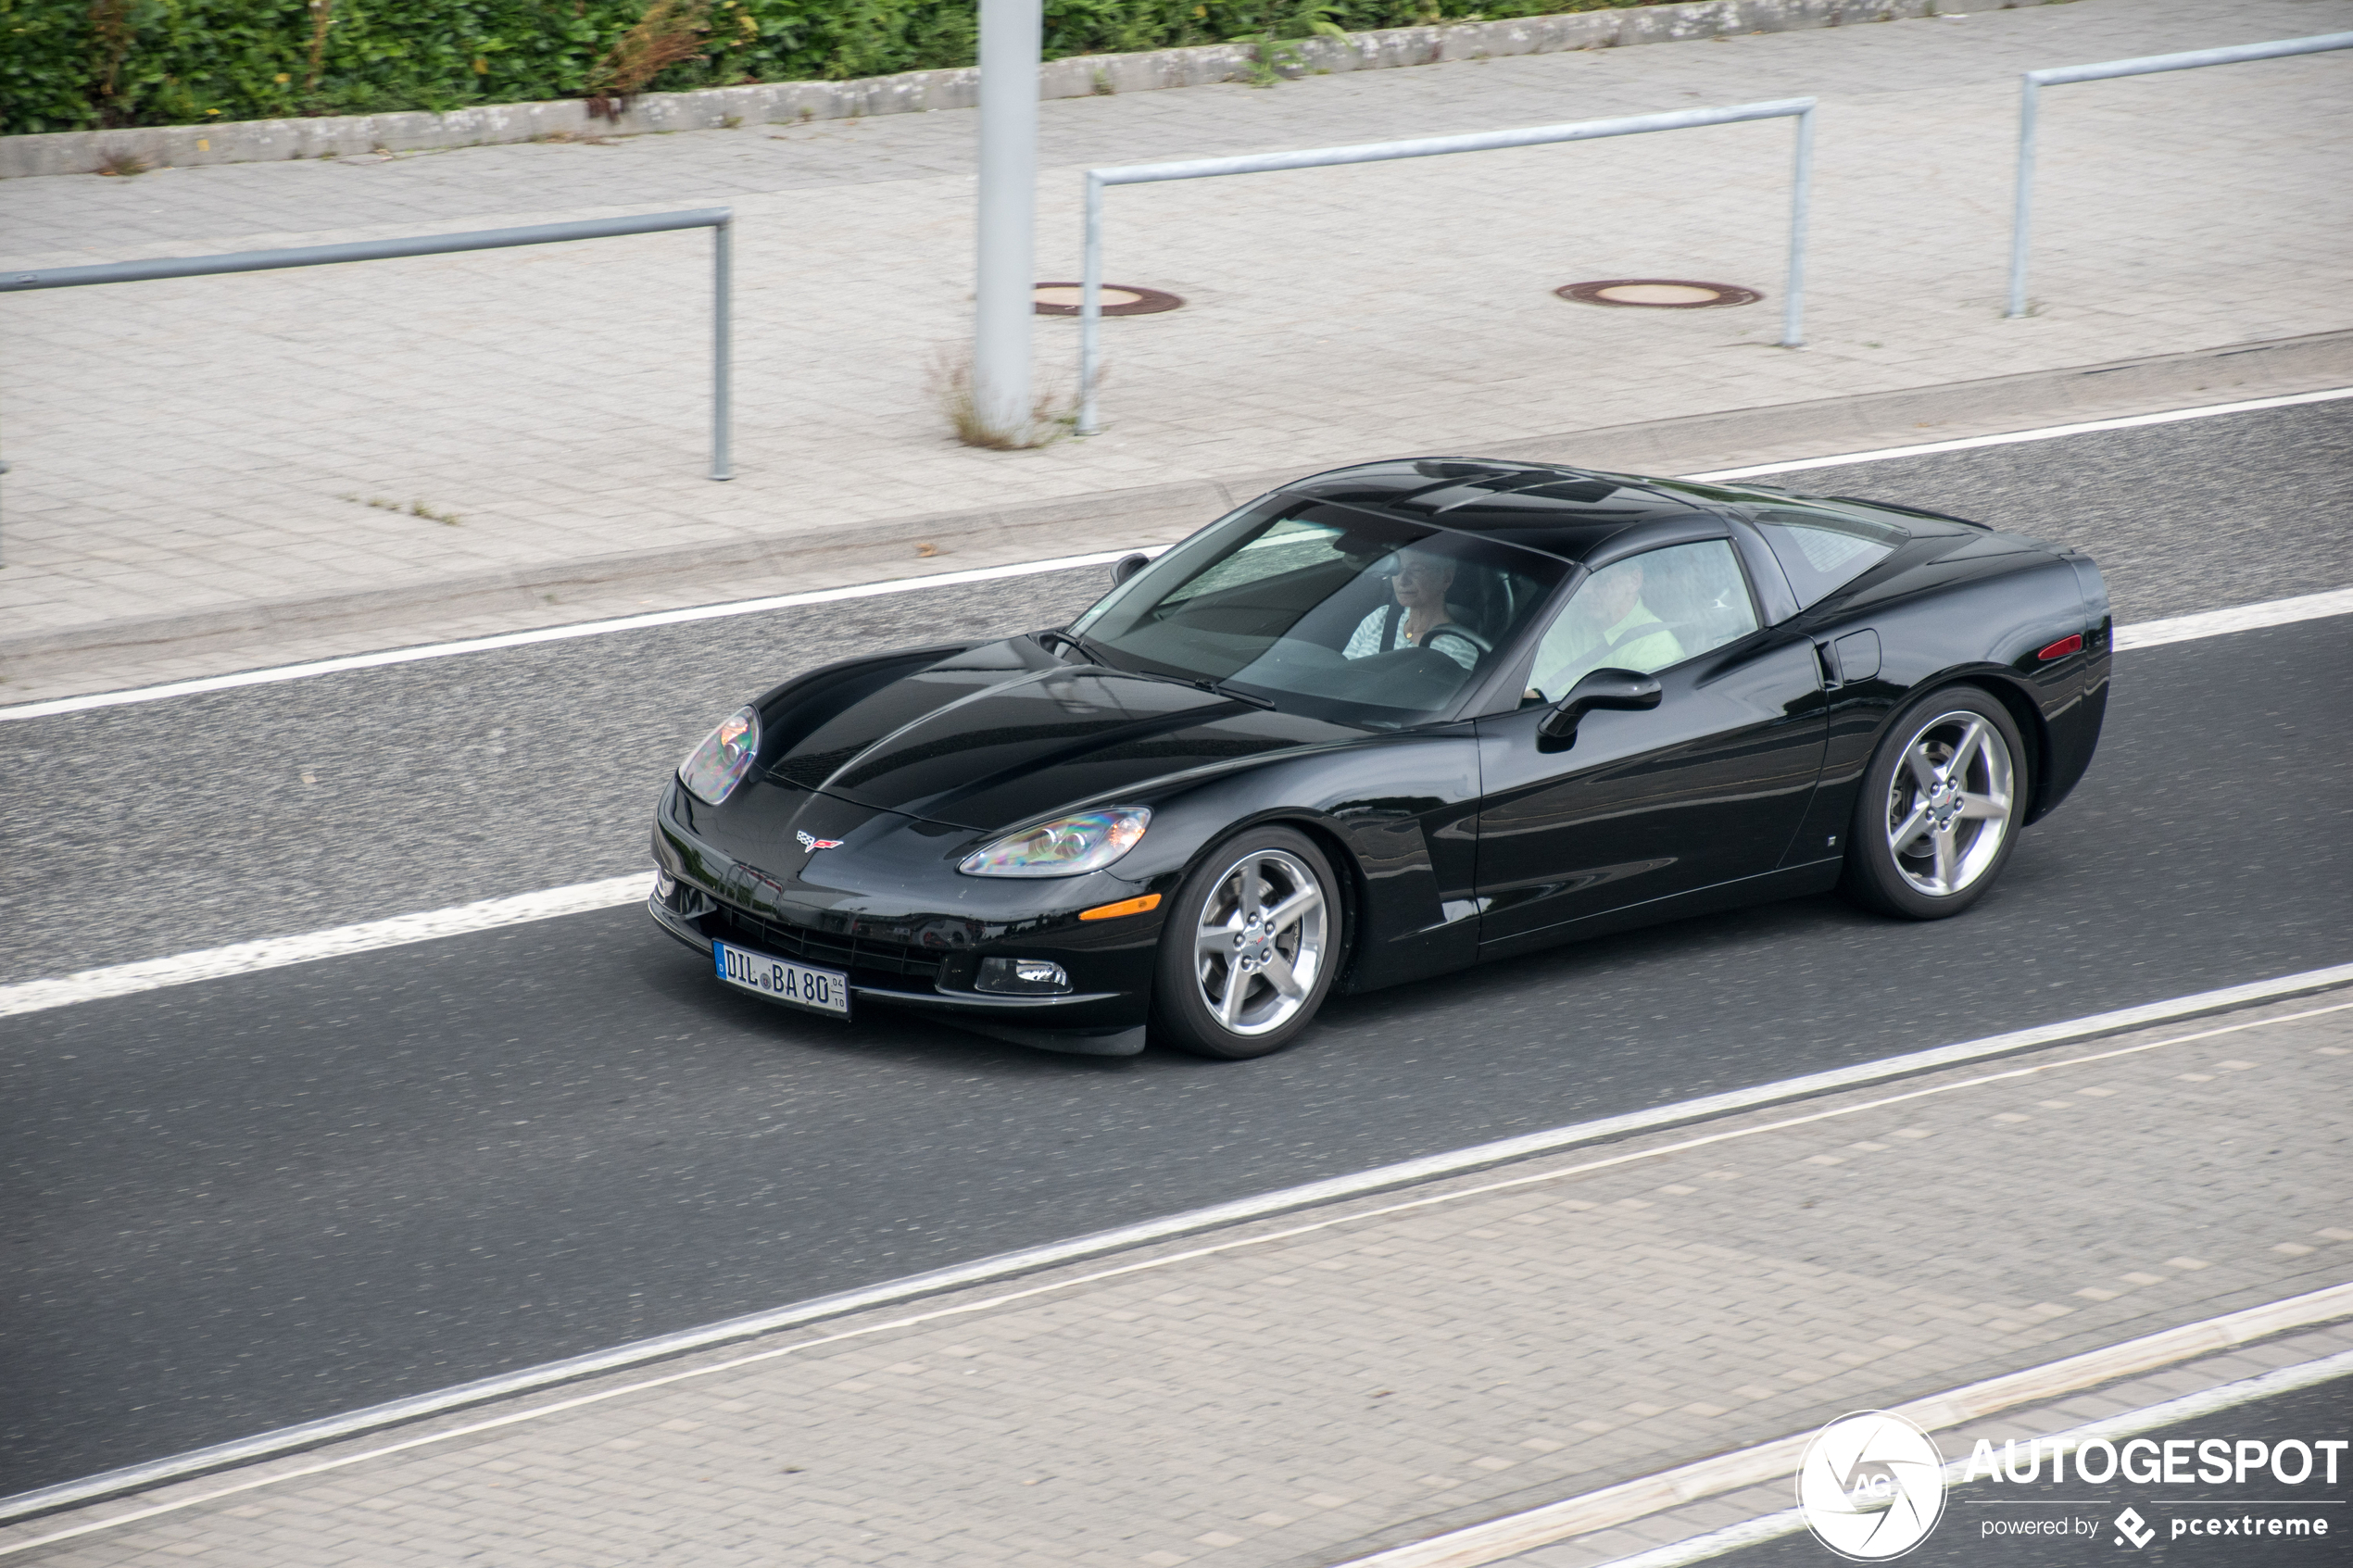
x,y
1452,629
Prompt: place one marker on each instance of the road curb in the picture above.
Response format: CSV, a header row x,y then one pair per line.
x,y
784,103
1030,1261
1622,1504
676,576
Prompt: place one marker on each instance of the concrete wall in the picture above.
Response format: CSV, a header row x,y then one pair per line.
x,y
83,152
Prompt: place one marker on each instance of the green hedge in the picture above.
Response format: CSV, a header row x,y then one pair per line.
x,y
71,65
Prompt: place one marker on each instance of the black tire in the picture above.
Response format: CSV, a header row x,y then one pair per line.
x,y
1191,985
1956,832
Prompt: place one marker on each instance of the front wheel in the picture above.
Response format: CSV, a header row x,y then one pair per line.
x,y
1247,954
1939,807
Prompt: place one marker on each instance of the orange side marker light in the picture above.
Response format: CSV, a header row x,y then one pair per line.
x,y
1125,907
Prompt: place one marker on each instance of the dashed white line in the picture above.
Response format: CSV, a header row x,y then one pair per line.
x,y
242,958
275,952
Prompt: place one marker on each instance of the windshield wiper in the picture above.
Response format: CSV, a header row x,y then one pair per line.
x,y
1206,684
1198,682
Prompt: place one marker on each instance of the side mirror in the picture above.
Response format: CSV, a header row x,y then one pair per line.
x,y
1127,566
1598,688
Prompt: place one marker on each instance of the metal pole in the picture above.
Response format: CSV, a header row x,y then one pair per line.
x,y
1005,282
2022,205
2029,106
723,302
1090,307
358,250
1800,188
718,220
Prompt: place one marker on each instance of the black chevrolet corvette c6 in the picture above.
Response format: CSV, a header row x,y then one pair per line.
x,y
1382,723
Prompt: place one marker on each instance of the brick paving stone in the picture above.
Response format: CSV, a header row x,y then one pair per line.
x,y
1224,1401
554,398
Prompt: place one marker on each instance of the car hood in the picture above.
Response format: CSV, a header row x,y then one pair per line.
x,y
1001,734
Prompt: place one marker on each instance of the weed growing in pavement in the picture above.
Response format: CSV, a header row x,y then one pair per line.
x,y
124,164
414,508
1279,24
322,17
1053,413
670,31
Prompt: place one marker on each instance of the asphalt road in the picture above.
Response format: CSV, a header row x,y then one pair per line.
x,y
1961,1538
236,1205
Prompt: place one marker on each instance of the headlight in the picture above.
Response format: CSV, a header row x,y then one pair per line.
x,y
713,769
1065,846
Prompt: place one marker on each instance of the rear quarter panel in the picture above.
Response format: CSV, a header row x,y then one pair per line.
x,y
1979,608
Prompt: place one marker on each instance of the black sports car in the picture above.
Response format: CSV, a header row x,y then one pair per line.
x,y
1382,723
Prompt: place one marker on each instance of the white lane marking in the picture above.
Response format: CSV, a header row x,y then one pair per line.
x,y
2048,432
356,1423
1777,1460
559,633
2242,618
213,963
1026,568
275,952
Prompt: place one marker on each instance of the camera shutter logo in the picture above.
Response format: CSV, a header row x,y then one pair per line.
x,y
1871,1485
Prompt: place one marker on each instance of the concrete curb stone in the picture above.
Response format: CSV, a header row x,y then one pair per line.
x,y
1311,1388
1077,76
133,648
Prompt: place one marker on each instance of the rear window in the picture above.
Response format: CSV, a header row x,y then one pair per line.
x,y
1824,548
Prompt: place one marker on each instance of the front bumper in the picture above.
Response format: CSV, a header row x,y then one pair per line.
x,y
897,954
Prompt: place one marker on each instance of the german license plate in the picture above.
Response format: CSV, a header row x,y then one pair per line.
x,y
781,979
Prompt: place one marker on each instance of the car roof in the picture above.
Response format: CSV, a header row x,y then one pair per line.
x,y
1558,510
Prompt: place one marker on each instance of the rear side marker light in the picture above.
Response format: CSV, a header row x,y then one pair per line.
x,y
1149,902
2061,648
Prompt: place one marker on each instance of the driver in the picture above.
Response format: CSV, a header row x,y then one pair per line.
x,y
1606,626
1419,618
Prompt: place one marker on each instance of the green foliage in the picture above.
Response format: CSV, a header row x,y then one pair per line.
x,y
72,65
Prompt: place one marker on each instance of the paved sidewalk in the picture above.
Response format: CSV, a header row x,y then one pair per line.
x,y
210,446
1315,1387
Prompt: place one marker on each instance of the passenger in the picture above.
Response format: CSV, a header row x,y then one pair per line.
x,y
1606,626
1419,618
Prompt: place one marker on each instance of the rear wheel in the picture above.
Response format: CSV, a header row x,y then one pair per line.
x,y
1247,956
1940,808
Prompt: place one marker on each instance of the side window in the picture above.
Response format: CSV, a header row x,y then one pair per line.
x,y
1644,613
1823,551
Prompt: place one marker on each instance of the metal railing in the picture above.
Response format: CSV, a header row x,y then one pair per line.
x,y
720,220
1090,295
2023,213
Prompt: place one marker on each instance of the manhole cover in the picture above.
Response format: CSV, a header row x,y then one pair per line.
x,y
1118,299
1658,294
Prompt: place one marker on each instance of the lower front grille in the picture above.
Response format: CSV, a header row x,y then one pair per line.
x,y
887,963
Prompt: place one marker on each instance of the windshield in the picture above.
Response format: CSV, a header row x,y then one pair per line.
x,y
1325,611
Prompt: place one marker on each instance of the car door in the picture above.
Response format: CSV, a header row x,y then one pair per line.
x,y
1703,789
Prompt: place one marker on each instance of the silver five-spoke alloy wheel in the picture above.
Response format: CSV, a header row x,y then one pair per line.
x,y
1260,945
1949,804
